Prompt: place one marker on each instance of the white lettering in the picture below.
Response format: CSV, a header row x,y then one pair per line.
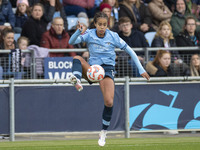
x,y
57,75
59,65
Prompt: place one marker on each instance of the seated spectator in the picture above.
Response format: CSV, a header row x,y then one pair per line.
x,y
21,15
7,43
74,7
195,65
161,65
189,36
164,36
181,12
52,9
160,12
35,26
133,38
115,8
138,13
57,38
7,17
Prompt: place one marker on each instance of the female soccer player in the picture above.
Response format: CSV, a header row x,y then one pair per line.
x,y
101,43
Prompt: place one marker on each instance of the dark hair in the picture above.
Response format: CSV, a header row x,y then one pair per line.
x,y
4,32
38,4
124,20
100,15
186,21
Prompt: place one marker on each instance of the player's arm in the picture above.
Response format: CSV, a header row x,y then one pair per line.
x,y
137,62
75,39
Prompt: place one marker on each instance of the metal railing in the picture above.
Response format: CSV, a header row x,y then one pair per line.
x,y
124,67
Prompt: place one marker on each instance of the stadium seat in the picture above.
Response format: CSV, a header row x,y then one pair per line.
x,y
72,21
16,36
149,37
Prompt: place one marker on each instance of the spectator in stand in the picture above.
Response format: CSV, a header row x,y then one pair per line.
x,y
164,36
52,9
57,38
7,17
195,65
160,12
35,26
161,65
22,14
74,7
189,36
138,13
112,25
133,38
178,18
7,43
115,8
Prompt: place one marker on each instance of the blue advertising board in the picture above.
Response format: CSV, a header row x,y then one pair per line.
x,y
57,67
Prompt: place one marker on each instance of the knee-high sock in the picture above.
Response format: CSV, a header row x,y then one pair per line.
x,y
77,68
107,114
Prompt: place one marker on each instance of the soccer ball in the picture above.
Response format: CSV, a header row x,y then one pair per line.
x,y
95,73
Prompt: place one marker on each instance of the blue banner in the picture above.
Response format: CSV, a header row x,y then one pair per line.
x,y
170,106
57,67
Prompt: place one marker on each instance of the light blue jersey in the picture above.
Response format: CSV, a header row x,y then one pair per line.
x,y
102,50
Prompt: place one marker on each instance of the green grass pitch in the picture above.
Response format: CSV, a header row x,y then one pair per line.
x,y
170,143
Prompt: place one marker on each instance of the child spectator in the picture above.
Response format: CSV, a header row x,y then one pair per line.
x,y
22,14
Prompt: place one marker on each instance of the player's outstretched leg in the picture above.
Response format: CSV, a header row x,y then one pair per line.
x,y
75,79
76,83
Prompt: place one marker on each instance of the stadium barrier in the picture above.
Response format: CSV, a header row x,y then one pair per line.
x,y
129,96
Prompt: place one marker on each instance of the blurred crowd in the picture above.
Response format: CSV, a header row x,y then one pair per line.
x,y
45,24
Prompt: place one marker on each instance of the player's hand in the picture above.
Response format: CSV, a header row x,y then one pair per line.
x,y
80,26
146,76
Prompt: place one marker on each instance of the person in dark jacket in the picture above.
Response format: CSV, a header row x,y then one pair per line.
x,y
57,38
161,65
52,9
189,36
6,14
133,38
138,13
35,26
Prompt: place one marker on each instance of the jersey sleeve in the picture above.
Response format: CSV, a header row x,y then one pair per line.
x,y
120,43
85,36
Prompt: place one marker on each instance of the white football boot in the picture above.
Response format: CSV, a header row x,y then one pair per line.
x,y
76,82
102,138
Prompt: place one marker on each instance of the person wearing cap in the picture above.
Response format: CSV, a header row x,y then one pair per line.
x,y
22,14
57,38
7,16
